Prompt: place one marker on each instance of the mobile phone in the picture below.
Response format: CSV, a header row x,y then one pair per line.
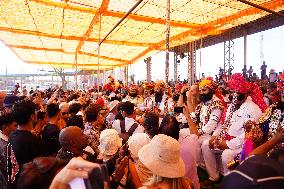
x,y
178,109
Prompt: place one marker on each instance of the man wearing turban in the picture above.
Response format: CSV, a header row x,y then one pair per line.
x,y
149,98
272,119
207,116
133,96
247,105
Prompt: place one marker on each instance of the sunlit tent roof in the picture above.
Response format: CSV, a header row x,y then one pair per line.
x,y
52,31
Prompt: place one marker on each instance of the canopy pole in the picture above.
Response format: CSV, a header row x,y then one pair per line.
x,y
76,72
245,54
200,57
99,51
121,20
168,13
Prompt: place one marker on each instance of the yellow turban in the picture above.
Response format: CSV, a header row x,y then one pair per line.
x,y
206,83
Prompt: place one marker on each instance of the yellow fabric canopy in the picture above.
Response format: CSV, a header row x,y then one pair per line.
x,y
53,31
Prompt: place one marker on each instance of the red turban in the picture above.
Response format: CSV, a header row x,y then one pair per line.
x,y
238,83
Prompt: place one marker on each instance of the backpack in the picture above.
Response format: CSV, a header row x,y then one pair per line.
x,y
125,135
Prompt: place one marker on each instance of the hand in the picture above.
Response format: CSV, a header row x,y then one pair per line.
x,y
249,125
212,142
221,144
76,168
184,89
120,169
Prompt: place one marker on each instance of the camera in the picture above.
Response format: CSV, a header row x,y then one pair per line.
x,y
178,109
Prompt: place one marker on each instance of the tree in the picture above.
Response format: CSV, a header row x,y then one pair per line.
x,y
62,75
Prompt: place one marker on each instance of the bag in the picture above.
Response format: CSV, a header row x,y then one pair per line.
x,y
129,184
125,135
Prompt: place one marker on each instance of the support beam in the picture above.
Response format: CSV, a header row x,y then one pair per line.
x,y
175,67
245,55
95,20
126,75
245,48
168,27
209,27
121,20
67,64
261,24
73,38
229,57
261,7
191,63
62,51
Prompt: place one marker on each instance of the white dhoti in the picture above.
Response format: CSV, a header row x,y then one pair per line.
x,y
228,155
209,157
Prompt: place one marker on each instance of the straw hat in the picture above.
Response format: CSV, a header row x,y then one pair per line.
x,y
136,142
113,104
162,157
110,142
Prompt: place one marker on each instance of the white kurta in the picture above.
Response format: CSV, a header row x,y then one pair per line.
x,y
247,111
162,104
149,103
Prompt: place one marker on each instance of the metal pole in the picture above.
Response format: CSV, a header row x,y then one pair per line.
x,y
175,66
167,41
99,50
261,8
245,49
121,20
76,71
200,57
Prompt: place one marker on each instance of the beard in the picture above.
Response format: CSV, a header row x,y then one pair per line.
x,y
206,97
133,95
158,96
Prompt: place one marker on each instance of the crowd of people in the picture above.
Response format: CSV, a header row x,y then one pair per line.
x,y
150,135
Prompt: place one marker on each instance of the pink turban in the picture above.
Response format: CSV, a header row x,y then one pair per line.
x,y
238,83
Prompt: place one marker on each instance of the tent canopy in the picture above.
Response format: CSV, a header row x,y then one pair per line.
x,y
52,32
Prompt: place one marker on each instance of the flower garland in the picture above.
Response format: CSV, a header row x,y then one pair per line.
x,y
195,116
276,121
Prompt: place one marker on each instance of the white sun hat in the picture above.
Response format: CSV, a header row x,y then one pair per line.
x,y
110,142
162,157
136,142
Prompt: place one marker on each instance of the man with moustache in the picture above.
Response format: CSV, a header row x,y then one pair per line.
x,y
133,96
247,105
273,118
207,114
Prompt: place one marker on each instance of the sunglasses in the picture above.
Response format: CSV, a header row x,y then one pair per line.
x,y
64,113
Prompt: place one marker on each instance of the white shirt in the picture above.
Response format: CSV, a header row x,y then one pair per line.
x,y
128,123
162,104
248,111
149,103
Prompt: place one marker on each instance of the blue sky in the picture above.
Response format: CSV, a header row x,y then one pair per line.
x,y
211,58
